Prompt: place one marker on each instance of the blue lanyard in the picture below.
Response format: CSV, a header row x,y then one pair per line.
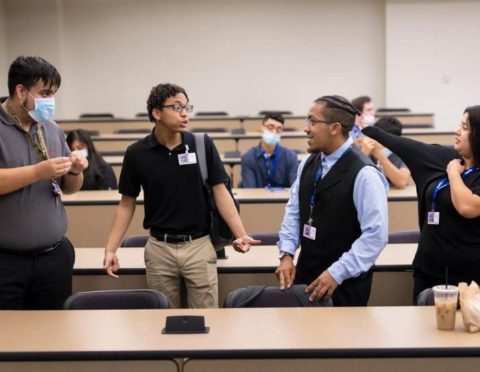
x,y
273,169
444,183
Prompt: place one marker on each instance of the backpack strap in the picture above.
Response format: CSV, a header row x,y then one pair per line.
x,y
201,157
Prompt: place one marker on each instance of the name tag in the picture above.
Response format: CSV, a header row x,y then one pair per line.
x,y
309,231
187,158
433,218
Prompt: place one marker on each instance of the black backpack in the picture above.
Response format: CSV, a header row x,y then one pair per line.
x,y
220,233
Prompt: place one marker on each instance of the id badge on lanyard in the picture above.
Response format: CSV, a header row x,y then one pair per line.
x,y
187,158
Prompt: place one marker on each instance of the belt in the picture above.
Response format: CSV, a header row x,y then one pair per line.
x,y
176,238
36,251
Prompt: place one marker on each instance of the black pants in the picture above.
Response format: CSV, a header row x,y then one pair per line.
x,y
40,281
352,292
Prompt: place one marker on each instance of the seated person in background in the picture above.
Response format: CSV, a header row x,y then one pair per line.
x,y
389,164
363,104
269,164
99,175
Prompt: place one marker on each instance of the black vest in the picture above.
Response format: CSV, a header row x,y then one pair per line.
x,y
334,214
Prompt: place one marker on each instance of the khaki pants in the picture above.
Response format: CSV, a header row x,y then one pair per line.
x,y
195,262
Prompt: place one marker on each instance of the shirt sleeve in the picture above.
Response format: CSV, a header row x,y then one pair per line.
x,y
289,232
129,184
292,167
370,200
216,170
248,174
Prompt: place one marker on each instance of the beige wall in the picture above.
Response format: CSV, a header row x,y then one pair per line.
x,y
239,56
432,57
3,52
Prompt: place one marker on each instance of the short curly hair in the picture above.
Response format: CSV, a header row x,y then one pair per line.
x,y
159,94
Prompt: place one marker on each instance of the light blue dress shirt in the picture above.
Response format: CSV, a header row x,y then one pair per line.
x,y
370,200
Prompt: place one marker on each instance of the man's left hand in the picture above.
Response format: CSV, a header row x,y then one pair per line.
x,y
79,162
323,286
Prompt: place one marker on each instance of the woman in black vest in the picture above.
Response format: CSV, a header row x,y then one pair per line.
x,y
448,187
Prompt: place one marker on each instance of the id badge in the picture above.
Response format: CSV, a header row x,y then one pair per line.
x,y
57,191
187,158
309,231
433,218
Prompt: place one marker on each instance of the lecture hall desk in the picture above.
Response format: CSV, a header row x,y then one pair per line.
x,y
392,279
90,213
266,339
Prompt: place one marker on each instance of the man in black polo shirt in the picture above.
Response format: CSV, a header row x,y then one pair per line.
x,y
164,164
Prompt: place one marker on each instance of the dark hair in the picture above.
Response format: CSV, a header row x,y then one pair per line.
x,y
159,94
474,135
27,71
359,102
92,174
390,124
339,110
274,116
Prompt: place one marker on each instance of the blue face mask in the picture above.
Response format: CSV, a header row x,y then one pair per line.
x,y
386,152
44,109
270,138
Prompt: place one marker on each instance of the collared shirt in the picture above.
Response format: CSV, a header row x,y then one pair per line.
x,y
370,200
255,172
30,217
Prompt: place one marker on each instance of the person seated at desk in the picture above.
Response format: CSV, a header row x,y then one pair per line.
x,y
99,175
387,162
269,164
448,187
364,105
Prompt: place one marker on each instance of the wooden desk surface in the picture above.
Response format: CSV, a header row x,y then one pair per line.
x,y
234,333
245,196
260,259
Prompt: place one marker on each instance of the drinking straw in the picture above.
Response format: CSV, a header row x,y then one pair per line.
x,y
446,277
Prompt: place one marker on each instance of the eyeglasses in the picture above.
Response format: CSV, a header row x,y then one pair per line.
x,y
310,122
179,108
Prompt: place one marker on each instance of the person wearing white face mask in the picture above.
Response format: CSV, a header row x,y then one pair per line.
x,y
99,175
36,167
363,104
388,163
269,164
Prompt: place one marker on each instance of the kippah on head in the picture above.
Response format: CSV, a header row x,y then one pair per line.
x,y
339,102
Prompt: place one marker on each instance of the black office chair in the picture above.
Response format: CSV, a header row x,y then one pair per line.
x,y
90,132
211,113
263,296
210,130
232,154
117,300
135,241
112,152
425,298
132,131
142,115
410,236
281,112
392,109
96,115
266,238
290,129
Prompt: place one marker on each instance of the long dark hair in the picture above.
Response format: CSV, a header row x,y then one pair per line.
x,y
474,136
92,174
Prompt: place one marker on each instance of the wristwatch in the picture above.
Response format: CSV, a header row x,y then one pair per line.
x,y
283,254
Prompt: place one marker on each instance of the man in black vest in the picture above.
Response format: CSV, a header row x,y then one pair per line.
x,y
337,211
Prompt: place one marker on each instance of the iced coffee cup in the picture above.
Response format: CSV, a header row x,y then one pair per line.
x,y
445,305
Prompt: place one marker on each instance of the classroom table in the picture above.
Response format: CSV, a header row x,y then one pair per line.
x,y
260,339
90,213
392,279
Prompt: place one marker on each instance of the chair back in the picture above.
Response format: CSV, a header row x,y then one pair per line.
x,y
135,241
262,296
281,112
211,113
117,300
96,115
392,109
132,131
425,298
410,236
266,238
210,130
